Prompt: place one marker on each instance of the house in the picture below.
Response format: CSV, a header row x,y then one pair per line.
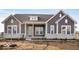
x,y
49,26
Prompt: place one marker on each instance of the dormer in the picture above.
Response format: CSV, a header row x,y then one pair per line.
x,y
33,18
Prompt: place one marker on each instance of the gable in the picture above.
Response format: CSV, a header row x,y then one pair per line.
x,y
66,17
11,21
56,16
10,17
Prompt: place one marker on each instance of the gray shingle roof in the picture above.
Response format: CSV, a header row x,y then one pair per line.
x,y
25,17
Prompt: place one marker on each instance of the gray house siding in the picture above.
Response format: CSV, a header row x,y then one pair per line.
x,y
62,22
52,22
8,22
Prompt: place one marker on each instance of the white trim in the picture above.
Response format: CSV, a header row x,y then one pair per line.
x,y
51,29
55,15
66,28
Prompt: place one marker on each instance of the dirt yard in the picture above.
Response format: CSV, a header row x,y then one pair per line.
x,y
30,45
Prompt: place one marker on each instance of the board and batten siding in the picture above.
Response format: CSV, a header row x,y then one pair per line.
x,y
8,22
62,22
53,20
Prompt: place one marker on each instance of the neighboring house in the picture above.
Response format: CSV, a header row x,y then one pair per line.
x,y
58,26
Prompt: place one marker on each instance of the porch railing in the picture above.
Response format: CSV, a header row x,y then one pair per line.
x,y
6,35
61,36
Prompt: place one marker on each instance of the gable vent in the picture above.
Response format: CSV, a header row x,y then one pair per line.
x,y
66,20
60,15
12,21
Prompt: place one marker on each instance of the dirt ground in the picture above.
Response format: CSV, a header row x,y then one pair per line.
x,y
30,45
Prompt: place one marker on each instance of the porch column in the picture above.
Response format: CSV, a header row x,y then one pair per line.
x,y
19,28
25,29
33,31
46,29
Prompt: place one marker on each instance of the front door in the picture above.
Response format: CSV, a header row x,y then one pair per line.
x,y
12,29
30,31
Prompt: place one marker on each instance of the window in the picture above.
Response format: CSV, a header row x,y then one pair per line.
x,y
66,21
9,29
66,29
12,29
39,31
12,21
33,17
51,29
63,30
60,15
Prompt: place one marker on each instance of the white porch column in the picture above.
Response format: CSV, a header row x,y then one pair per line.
x,y
74,31
33,30
19,28
57,31
45,29
25,29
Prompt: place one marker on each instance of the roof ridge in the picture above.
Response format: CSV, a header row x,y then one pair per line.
x,y
33,14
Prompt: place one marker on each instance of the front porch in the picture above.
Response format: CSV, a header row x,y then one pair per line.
x,y
34,31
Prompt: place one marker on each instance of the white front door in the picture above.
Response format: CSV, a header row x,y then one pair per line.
x,y
12,29
30,31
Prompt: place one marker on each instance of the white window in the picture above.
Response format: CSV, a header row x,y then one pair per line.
x,y
33,17
63,29
66,21
9,29
60,15
39,31
12,29
51,29
12,21
66,29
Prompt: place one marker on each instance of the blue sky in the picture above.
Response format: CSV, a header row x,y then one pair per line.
x,y
74,13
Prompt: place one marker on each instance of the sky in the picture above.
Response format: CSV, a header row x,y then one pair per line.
x,y
74,13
